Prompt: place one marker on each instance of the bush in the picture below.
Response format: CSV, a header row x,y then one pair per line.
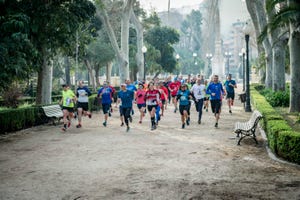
x,y
288,146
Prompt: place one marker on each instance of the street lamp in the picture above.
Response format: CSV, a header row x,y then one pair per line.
x,y
247,38
144,50
227,55
177,58
243,67
209,57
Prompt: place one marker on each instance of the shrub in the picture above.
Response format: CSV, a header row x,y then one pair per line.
x,y
288,146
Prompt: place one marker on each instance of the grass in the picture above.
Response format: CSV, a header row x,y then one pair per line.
x,y
293,119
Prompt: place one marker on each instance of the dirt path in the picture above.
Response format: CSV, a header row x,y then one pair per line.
x,y
199,162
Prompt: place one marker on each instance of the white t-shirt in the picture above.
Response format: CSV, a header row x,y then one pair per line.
x,y
198,91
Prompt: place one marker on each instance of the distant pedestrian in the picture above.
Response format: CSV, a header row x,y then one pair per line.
x,y
68,100
215,89
82,95
229,87
126,97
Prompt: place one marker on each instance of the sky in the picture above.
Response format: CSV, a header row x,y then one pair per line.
x,y
162,5
230,10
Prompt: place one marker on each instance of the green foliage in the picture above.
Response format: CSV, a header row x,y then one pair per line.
x,y
282,140
17,119
162,38
288,146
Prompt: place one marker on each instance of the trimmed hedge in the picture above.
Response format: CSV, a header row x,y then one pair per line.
x,y
20,118
281,139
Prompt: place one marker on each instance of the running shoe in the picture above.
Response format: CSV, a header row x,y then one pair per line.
x,y
140,122
64,129
122,124
104,124
216,125
153,127
230,112
90,115
199,121
183,126
78,126
127,129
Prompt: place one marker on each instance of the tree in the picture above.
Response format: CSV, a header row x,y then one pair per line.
x,y
162,38
52,26
16,50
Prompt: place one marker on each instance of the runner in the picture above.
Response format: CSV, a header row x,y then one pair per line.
x,y
113,95
173,87
215,89
183,96
105,93
206,98
229,87
140,100
126,97
152,101
131,87
82,94
164,93
198,90
67,101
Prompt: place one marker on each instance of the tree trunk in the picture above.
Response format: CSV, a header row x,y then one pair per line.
x,y
257,12
139,43
44,81
108,71
294,46
67,70
91,74
279,66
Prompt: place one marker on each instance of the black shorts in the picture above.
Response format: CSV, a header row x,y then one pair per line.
x,y
143,105
83,105
230,95
216,106
184,108
163,102
69,109
150,107
105,108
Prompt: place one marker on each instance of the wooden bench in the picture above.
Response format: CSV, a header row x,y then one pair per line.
x,y
244,129
53,112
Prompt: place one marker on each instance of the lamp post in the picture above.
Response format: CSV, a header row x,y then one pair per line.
x,y
247,38
177,59
244,66
144,50
227,55
209,57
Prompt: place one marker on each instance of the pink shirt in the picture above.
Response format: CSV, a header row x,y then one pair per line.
x,y
140,96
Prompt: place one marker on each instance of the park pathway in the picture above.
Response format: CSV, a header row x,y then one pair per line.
x,y
96,162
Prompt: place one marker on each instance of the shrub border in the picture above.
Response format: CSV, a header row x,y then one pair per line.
x,y
282,140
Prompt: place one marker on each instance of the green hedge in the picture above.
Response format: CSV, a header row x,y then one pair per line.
x,y
20,118
281,139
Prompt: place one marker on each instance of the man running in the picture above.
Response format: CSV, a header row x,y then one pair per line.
x,y
229,87
126,97
198,90
215,89
67,101
173,88
140,101
105,93
82,94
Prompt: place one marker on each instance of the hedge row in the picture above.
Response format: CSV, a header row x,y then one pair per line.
x,y
282,140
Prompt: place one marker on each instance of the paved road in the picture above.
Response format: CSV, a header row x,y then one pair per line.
x,y
94,162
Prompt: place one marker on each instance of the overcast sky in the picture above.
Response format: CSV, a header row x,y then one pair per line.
x,y
230,11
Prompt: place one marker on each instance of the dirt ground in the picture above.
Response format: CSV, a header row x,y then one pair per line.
x,y
94,162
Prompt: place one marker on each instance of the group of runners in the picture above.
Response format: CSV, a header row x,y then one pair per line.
x,y
152,98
